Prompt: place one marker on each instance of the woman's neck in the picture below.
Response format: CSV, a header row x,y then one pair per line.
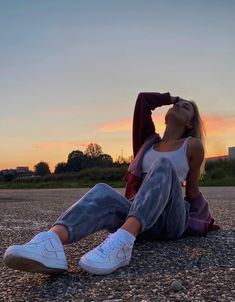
x,y
172,134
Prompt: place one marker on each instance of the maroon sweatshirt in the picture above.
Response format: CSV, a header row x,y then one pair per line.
x,y
144,136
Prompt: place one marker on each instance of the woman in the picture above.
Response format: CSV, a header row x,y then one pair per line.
x,y
153,204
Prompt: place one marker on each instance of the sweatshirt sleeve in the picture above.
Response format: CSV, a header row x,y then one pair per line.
x,y
143,126
200,220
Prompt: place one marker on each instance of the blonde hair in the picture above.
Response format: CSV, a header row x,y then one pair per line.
x,y
197,131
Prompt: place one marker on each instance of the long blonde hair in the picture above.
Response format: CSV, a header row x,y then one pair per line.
x,y
197,131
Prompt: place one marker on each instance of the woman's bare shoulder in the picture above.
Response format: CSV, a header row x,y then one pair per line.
x,y
195,142
195,147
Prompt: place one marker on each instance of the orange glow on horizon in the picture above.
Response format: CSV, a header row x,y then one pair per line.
x,y
220,134
218,156
52,145
218,124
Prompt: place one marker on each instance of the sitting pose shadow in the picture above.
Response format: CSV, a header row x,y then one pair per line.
x,y
153,203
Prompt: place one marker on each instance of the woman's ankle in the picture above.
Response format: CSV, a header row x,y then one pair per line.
x,y
61,232
132,225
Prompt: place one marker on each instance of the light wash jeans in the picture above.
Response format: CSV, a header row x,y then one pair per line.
x,y
158,205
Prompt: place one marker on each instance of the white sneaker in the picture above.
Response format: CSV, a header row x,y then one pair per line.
x,y
107,257
43,254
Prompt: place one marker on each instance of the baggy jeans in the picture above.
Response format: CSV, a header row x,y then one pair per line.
x,y
158,205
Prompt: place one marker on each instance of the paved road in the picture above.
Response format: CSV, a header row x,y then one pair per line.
x,y
204,265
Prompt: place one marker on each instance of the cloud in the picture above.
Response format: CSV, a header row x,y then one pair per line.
x,y
125,125
214,124
55,145
116,126
219,124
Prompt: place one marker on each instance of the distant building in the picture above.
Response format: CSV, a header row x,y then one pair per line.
x,y
22,170
231,151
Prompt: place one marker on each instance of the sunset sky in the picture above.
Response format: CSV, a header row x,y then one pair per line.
x,y
70,72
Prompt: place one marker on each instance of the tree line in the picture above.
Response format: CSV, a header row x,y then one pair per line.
x,y
221,168
93,157
77,160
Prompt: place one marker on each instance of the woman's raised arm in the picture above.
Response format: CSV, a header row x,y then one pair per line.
x,y
143,126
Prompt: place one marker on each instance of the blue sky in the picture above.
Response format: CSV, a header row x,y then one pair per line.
x,y
71,68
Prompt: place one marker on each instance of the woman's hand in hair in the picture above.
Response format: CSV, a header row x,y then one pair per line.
x,y
176,99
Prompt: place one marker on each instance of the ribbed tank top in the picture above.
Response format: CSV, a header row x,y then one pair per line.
x,y
178,159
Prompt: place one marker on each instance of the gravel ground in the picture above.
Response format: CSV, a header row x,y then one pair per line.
x,y
203,266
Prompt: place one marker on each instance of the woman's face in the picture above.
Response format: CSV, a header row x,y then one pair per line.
x,y
182,112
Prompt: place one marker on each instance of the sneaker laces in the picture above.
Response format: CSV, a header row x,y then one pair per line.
x,y
108,245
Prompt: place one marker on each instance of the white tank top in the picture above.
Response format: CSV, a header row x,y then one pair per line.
x,y
178,159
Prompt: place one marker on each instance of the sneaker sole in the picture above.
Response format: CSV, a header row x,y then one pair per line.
x,y
101,271
27,264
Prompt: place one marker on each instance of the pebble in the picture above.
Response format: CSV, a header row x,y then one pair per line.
x,y
176,286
